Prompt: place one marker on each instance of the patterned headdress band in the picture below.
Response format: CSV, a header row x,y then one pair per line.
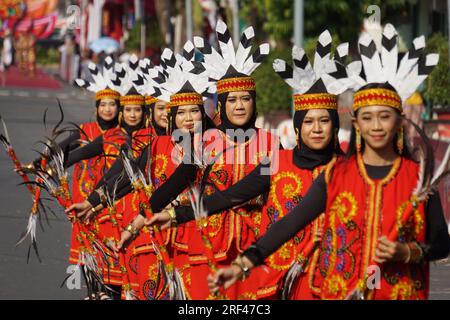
x,y
133,99
150,100
377,97
236,84
107,94
315,101
184,99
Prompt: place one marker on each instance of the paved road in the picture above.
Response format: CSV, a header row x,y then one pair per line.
x,y
23,110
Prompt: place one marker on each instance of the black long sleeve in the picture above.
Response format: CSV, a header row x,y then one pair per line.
x,y
437,244
115,173
93,149
312,205
253,185
71,142
182,178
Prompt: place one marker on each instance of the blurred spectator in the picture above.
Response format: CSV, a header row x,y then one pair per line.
x,y
7,51
88,57
70,59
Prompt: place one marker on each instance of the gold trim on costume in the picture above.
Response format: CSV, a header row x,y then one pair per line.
x,y
150,99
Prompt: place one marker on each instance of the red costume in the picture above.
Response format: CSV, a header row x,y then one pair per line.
x,y
359,210
231,231
287,187
86,174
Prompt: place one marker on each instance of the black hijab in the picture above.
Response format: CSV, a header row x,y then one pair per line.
x,y
222,99
160,131
106,125
225,122
306,158
130,129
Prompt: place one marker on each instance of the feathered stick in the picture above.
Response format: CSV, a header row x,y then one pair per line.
x,y
55,181
201,219
139,184
31,227
32,220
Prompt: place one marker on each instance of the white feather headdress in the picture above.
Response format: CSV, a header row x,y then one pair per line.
x,y
232,68
316,86
127,74
404,76
150,77
103,82
181,75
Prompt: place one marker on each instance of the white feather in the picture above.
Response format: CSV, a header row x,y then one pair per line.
x,y
242,53
227,49
31,229
324,39
250,65
413,80
372,65
389,59
442,167
292,274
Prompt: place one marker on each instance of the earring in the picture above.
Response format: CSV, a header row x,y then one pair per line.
x,y
120,117
400,140
358,141
297,137
219,108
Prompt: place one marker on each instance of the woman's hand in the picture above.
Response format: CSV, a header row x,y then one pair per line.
x,y
111,244
161,220
391,251
124,241
225,277
80,209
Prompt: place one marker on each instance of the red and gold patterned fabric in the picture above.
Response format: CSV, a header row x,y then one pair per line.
x,y
86,174
233,230
359,210
143,256
287,188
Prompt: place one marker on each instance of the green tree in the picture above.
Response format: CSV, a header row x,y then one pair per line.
x,y
438,84
272,94
153,36
274,18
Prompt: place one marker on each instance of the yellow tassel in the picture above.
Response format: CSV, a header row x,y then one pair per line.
x,y
298,136
120,117
147,123
400,140
358,141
